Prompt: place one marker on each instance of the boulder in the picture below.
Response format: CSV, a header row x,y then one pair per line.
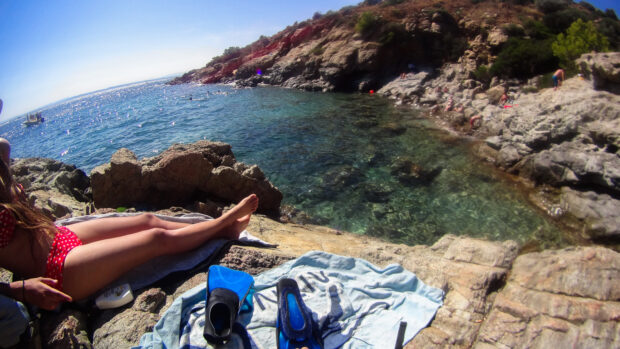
x,y
55,188
599,214
409,172
183,174
566,298
603,68
65,329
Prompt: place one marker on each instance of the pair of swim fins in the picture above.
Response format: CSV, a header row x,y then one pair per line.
x,y
227,290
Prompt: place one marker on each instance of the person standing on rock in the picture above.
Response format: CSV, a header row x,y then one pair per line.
x,y
94,253
558,77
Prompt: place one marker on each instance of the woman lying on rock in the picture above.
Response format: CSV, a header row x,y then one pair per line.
x,y
66,264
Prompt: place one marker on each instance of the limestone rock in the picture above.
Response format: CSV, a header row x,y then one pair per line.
x,y
56,188
185,173
496,37
603,68
67,329
567,298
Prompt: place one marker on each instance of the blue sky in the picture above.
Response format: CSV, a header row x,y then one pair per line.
x,y
52,50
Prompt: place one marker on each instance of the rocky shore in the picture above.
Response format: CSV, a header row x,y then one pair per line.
x,y
564,143
494,296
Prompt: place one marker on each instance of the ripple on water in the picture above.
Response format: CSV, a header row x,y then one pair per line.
x,y
353,162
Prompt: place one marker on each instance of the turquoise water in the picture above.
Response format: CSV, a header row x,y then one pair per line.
x,y
343,159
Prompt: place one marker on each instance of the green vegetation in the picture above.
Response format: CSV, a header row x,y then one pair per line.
x,y
392,2
483,74
317,50
393,33
581,37
513,30
559,21
367,23
524,58
547,6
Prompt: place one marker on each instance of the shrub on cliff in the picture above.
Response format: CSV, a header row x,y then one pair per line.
x,y
559,21
581,37
548,6
611,29
367,23
523,58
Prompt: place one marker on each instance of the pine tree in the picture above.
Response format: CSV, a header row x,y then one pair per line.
x,y
581,37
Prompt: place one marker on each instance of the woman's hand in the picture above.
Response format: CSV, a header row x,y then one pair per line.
x,y
40,292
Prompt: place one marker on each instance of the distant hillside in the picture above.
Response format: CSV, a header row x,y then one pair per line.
x,y
362,47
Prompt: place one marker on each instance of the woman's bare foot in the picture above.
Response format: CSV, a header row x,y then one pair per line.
x,y
239,225
246,206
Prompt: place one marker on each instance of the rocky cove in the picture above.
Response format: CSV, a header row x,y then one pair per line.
x,y
496,296
563,144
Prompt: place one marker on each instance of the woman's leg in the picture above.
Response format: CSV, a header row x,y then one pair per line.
x,y
106,228
90,267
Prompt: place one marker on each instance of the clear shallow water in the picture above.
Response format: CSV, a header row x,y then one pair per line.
x,y
343,159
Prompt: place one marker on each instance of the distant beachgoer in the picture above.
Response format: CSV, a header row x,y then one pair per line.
x,y
474,119
558,77
503,99
449,105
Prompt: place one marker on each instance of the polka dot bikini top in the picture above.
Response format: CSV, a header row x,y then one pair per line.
x,y
7,226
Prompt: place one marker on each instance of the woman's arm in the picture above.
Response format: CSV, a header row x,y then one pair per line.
x,y
37,291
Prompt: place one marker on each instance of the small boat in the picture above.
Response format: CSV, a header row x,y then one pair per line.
x,y
33,119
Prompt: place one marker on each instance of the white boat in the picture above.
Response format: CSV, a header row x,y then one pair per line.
x,y
33,119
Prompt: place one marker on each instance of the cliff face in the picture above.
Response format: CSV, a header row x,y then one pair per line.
x,y
359,48
565,143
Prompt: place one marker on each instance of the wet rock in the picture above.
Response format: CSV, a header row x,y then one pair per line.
x,y
341,177
365,123
411,173
391,129
376,192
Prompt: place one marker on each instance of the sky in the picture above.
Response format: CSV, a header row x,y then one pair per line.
x,y
51,50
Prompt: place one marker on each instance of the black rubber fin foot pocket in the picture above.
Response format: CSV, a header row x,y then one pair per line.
x,y
227,289
295,327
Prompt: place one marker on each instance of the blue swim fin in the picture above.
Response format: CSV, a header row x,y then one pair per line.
x,y
226,291
295,326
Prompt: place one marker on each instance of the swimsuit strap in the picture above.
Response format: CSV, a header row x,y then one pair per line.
x,y
7,226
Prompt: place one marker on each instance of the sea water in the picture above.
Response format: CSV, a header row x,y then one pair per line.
x,y
341,159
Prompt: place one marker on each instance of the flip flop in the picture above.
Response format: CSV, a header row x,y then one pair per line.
x,y
295,327
227,289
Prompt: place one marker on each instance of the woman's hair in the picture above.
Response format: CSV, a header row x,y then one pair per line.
x,y
26,217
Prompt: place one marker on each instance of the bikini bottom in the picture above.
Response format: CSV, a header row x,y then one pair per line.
x,y
64,241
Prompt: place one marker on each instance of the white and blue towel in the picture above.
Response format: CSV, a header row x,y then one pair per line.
x,y
356,304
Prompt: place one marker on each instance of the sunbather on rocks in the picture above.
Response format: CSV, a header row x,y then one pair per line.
x,y
83,259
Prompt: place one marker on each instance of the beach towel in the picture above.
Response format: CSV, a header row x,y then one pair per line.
x,y
356,304
159,267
